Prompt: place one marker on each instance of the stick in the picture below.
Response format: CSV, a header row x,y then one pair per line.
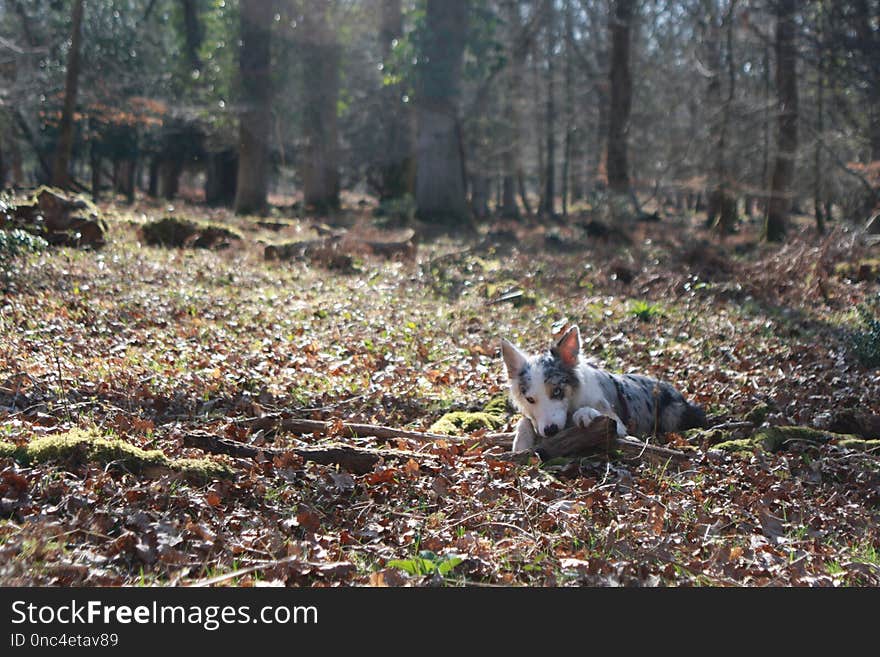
x,y
354,459
574,437
601,432
298,426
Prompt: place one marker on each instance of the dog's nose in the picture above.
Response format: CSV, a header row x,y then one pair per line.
x,y
551,430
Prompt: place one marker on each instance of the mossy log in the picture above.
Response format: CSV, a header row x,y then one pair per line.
x,y
78,446
177,232
457,422
60,218
774,439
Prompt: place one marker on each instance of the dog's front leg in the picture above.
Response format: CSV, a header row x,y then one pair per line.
x,y
525,436
584,416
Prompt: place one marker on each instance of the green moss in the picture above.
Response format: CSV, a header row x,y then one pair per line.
x,y
774,439
741,445
465,422
497,405
7,450
79,446
758,414
456,422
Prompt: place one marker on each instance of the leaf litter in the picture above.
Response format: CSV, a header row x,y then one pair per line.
x,y
146,345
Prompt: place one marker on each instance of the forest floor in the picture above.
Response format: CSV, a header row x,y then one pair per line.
x,y
148,345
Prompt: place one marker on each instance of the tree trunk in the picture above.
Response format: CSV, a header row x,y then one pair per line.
x,y
153,177
123,177
440,185
820,125
193,33
169,177
786,148
548,198
61,164
252,185
480,184
722,206
510,155
220,178
95,164
321,78
765,151
396,165
620,82
568,146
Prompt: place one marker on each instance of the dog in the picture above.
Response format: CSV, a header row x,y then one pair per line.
x,y
557,388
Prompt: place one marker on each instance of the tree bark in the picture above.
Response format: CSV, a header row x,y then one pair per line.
x,y
396,164
600,434
61,163
357,460
95,164
153,177
169,177
548,196
321,78
620,82
220,178
787,137
440,185
721,213
193,33
252,185
818,194
568,145
510,155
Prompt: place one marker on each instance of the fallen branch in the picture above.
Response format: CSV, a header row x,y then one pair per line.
x,y
351,430
566,443
601,433
354,459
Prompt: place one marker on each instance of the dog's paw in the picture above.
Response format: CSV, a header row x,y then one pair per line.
x,y
584,416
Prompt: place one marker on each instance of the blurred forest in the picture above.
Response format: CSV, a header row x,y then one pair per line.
x,y
455,109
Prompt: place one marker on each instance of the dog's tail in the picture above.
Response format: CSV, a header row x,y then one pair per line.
x,y
692,417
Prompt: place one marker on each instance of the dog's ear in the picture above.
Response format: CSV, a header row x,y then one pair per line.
x,y
514,359
569,346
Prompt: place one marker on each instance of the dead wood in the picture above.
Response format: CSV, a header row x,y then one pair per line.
x,y
352,430
354,459
570,442
600,435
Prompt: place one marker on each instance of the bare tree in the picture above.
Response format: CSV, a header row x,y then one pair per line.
x,y
620,81
440,180
548,194
320,55
779,204
721,211
193,32
256,112
396,168
61,163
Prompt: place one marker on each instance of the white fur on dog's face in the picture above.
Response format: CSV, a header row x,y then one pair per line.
x,y
542,386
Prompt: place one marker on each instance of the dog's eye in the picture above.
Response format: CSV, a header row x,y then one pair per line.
x,y
557,392
531,400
